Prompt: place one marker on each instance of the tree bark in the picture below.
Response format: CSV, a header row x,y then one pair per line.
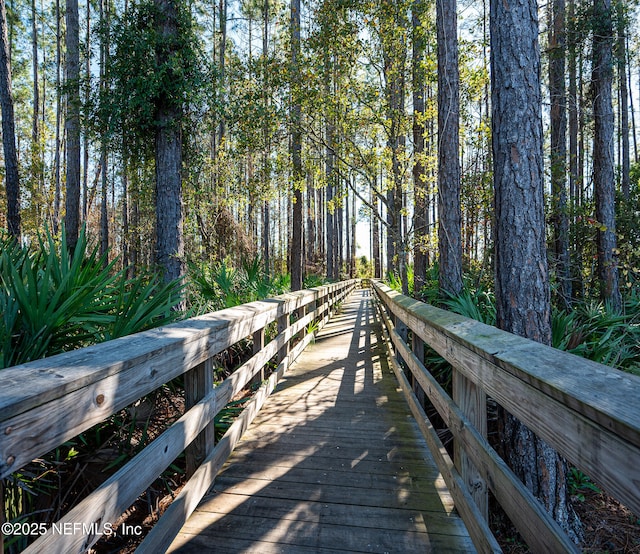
x,y
522,286
72,125
57,195
603,163
420,189
296,151
393,29
12,178
35,124
560,217
168,156
621,58
375,236
449,214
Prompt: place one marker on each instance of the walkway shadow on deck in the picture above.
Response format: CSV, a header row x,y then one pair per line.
x,y
334,465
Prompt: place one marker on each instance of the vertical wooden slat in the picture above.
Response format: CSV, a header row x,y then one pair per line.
x,y
472,400
417,346
258,344
197,384
283,323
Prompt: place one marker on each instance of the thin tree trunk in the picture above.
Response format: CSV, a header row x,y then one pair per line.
x,y
352,270
222,9
104,206
35,125
621,56
375,234
85,147
449,214
393,28
12,179
522,286
574,182
603,162
633,117
57,197
265,214
72,125
296,151
557,93
420,189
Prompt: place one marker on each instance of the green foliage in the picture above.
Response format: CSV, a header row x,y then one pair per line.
x,y
473,303
394,282
312,281
364,268
53,301
149,69
628,234
222,286
579,483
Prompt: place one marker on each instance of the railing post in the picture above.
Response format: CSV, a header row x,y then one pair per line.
x,y
403,331
198,382
258,344
417,347
472,400
283,323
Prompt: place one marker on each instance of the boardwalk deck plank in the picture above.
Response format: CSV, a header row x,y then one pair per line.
x,y
333,463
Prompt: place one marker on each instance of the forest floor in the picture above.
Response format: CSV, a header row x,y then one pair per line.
x,y
608,527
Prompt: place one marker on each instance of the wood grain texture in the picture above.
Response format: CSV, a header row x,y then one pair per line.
x,y
332,463
585,410
536,526
71,392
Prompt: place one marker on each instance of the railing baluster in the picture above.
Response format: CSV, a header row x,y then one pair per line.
x,y
472,400
197,384
283,323
258,344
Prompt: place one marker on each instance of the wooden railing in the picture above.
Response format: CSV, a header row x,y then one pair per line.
x,y
48,402
588,412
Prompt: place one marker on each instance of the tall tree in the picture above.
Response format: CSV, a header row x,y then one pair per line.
x,y
296,150
522,287
57,195
449,215
621,60
12,179
168,145
603,162
72,125
560,216
420,189
393,26
104,204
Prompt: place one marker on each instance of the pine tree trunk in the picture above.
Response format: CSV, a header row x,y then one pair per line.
x,y
12,180
36,169
522,286
296,152
449,214
572,104
420,190
72,125
621,57
57,195
560,217
603,162
168,155
375,234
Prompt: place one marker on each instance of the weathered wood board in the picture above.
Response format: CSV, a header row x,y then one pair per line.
x,y
332,463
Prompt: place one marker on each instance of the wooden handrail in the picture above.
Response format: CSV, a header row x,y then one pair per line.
x,y
587,411
47,402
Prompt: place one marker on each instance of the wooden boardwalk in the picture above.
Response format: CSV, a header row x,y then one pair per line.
x,y
332,463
